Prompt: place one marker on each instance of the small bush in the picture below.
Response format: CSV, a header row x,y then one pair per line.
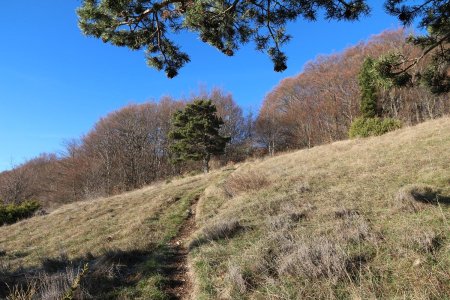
x,y
245,182
365,127
12,213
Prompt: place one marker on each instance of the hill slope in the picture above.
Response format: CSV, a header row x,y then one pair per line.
x,y
363,218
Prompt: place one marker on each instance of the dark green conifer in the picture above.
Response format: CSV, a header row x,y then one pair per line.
x,y
195,134
368,87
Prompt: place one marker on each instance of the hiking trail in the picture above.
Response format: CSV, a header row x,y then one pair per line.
x,y
180,282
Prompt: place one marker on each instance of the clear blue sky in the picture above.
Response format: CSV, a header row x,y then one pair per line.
x,y
56,83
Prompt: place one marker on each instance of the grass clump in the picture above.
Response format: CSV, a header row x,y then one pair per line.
x,y
245,181
313,259
426,241
23,293
353,227
288,217
65,284
12,213
365,127
216,231
236,280
415,197
285,220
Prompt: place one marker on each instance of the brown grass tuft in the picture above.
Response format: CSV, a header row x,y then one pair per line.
x,y
246,181
415,197
289,216
302,187
316,258
216,231
353,227
345,213
46,286
426,241
284,220
19,292
56,286
236,281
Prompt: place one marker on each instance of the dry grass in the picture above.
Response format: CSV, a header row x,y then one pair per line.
x,y
237,283
23,293
314,258
122,237
353,227
288,217
64,284
415,197
221,230
245,181
76,229
328,224
426,240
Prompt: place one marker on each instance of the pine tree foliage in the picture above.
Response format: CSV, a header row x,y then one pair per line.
x,y
195,133
227,24
434,17
224,24
371,82
368,87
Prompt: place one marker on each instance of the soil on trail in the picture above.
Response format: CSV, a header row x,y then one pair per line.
x,y
180,285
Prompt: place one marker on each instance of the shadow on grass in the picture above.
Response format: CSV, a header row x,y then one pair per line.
x,y
222,230
430,197
114,274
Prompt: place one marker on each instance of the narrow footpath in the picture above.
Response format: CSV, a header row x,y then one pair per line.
x,y
180,283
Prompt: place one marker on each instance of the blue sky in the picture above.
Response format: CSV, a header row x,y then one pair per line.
x,y
55,83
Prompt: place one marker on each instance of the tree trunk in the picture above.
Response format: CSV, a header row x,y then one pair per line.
x,y
206,164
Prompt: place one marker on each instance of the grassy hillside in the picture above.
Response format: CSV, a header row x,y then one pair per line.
x,y
365,218
123,238
337,221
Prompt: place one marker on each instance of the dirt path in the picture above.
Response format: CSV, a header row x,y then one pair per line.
x,y
180,285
